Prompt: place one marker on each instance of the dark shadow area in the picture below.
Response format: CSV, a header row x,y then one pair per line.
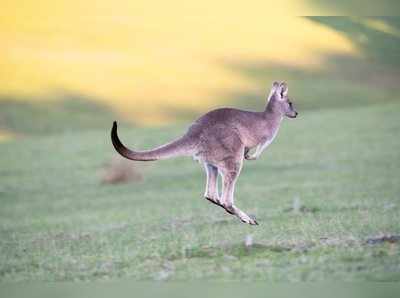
x,y
315,90
342,82
357,7
383,239
237,250
379,43
302,210
68,112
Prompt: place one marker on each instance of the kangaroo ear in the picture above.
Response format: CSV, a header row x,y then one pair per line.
x,y
275,85
283,88
274,89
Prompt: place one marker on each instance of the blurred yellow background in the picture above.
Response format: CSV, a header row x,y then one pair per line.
x,y
140,57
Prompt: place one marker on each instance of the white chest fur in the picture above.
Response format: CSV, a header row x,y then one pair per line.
x,y
269,140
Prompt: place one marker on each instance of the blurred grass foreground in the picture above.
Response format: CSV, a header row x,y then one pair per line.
x,y
326,193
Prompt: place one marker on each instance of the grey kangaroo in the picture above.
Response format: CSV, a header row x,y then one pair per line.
x,y
220,140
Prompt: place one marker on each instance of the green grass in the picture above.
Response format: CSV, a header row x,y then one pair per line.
x,y
57,222
58,113
340,159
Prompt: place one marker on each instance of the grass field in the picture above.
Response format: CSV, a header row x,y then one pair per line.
x,y
325,193
58,223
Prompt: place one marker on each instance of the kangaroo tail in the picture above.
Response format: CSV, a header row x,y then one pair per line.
x,y
178,147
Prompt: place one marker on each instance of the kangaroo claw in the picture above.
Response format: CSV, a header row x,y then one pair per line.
x,y
253,218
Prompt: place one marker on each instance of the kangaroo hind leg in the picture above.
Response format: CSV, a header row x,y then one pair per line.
x,y
211,192
230,173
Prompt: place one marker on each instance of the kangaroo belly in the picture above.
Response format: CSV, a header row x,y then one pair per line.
x,y
218,143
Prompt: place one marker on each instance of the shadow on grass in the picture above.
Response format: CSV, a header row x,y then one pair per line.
x,y
343,81
377,37
338,87
67,112
356,7
233,251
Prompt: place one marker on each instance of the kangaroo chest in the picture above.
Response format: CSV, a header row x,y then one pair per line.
x,y
268,139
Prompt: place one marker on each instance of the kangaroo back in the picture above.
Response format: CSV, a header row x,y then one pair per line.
x,y
179,147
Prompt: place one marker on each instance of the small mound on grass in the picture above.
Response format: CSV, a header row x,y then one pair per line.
x,y
120,170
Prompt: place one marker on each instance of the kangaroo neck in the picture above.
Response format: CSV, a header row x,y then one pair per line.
x,y
273,117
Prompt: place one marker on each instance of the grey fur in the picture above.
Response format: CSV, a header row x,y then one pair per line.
x,y
221,139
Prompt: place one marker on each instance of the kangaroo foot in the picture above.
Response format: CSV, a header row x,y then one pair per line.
x,y
218,203
249,220
241,215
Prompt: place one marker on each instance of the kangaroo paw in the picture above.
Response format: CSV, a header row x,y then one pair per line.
x,y
250,157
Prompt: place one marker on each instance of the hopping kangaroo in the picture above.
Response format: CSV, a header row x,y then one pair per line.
x,y
220,140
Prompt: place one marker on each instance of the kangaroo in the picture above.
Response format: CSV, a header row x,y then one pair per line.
x,y
220,140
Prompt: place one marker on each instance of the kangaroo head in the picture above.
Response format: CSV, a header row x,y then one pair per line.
x,y
280,101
